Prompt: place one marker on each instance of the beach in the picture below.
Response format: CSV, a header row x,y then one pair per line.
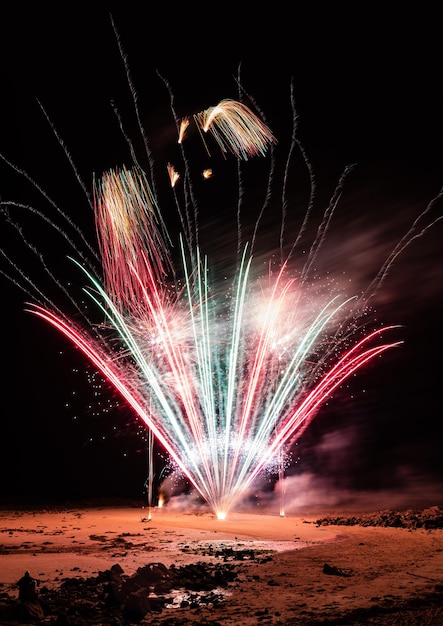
x,y
273,569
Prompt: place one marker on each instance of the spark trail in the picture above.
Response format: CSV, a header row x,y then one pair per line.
x,y
222,390
224,377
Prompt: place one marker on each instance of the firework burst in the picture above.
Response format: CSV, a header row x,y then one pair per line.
x,y
224,378
222,389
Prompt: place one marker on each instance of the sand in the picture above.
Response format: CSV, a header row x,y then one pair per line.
x,y
302,572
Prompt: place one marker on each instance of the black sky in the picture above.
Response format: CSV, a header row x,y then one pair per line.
x,y
368,91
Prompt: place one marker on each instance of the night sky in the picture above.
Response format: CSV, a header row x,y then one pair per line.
x,y
372,98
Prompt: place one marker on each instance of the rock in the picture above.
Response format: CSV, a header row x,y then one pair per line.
x,y
430,518
115,599
31,612
136,605
335,571
27,588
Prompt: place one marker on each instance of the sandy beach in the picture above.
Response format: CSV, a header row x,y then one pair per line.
x,y
297,569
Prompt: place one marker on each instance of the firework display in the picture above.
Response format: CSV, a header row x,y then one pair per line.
x,y
225,378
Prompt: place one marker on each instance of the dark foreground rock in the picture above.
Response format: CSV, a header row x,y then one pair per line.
x,y
428,519
114,599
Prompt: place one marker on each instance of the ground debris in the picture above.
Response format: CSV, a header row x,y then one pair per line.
x,y
429,519
113,597
335,571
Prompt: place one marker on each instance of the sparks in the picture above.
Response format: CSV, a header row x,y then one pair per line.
x,y
222,396
224,377
236,128
183,128
174,176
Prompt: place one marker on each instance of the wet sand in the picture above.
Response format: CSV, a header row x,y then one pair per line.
x,y
311,571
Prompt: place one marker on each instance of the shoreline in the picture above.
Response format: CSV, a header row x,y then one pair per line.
x,y
294,571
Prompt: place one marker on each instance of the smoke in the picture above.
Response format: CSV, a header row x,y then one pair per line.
x,y
309,491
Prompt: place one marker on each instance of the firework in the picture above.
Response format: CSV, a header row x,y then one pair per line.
x,y
236,128
222,389
224,378
174,176
183,127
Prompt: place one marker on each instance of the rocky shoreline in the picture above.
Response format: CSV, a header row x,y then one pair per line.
x,y
430,518
203,592
112,598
